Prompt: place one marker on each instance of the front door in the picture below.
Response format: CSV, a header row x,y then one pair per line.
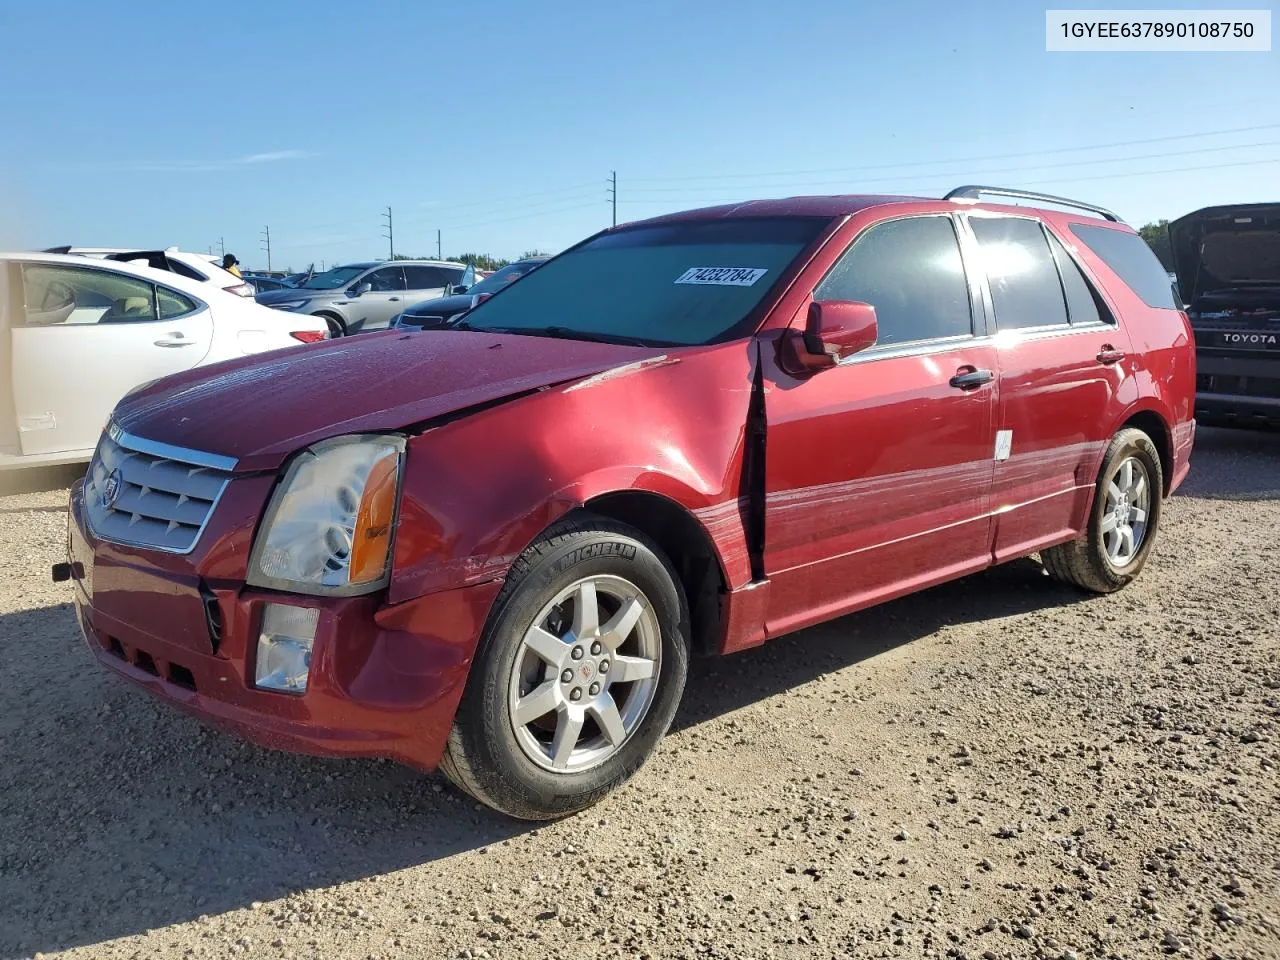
x,y
85,337
878,471
374,309
1062,363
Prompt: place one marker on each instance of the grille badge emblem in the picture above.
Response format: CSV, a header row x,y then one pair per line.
x,y
111,489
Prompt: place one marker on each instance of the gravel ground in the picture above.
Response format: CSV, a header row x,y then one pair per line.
x,y
998,767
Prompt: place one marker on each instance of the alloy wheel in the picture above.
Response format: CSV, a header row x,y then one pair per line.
x,y
1125,509
585,674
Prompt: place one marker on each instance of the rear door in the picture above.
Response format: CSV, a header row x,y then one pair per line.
x,y
1062,363
374,309
428,282
85,337
878,471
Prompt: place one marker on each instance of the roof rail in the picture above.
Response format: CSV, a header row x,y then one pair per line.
x,y
974,192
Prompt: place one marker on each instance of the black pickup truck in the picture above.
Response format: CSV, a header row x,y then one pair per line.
x,y
1227,261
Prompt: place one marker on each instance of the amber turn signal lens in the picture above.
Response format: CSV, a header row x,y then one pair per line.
x,y
372,539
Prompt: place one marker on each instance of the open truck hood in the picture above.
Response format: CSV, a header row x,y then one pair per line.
x,y
259,410
1228,258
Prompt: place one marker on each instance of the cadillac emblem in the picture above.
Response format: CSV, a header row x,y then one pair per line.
x,y
111,489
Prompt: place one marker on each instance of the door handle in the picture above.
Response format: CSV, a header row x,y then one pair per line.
x,y
393,299
970,378
175,340
1109,354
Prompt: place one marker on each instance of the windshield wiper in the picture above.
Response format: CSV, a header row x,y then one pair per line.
x,y
560,333
566,333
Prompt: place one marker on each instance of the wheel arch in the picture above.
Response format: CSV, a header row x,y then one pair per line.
x,y
688,546
1156,426
333,315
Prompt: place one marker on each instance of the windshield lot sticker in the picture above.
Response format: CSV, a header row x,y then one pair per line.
x,y
723,276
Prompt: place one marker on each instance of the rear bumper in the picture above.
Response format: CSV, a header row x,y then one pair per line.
x,y
384,681
1243,389
1238,409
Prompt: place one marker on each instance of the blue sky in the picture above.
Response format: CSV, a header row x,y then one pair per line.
x,y
498,123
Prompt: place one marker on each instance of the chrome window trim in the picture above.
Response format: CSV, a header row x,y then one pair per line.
x,y
1000,339
915,348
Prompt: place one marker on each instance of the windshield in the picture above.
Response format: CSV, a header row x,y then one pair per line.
x,y
496,281
331,279
678,283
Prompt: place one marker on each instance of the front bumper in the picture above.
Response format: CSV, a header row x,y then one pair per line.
x,y
384,681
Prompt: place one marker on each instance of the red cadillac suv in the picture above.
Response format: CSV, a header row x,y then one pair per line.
x,y
492,548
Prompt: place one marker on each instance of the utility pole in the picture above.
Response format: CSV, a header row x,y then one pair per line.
x,y
222,246
267,232
613,194
439,247
390,235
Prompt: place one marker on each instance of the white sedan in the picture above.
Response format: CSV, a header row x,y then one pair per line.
x,y
77,334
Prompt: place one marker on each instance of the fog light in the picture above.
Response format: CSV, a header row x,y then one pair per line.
x,y
284,647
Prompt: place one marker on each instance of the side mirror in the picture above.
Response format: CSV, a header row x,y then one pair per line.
x,y
460,288
833,330
360,289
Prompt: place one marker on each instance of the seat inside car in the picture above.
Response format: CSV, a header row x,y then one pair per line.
x,y
126,309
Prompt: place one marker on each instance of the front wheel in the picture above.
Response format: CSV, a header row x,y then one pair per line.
x,y
335,325
1123,522
578,674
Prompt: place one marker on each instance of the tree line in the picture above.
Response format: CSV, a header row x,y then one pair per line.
x,y
481,261
1157,236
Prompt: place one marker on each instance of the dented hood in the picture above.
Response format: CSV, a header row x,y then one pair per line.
x,y
261,409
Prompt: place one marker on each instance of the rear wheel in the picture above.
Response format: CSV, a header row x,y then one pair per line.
x,y
578,675
1123,523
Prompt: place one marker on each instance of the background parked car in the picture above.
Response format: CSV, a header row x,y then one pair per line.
x,y
436,313
357,297
194,266
262,283
1228,269
77,334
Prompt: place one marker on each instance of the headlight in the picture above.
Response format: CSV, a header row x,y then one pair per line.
x,y
330,524
289,304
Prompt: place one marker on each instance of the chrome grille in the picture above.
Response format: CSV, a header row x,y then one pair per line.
x,y
152,495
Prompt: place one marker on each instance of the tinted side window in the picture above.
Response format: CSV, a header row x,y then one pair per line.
x,y
1082,307
67,296
386,280
428,278
1025,289
910,271
182,270
172,304
1128,255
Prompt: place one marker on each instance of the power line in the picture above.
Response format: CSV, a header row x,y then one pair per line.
x,y
390,235
984,172
1021,183
997,156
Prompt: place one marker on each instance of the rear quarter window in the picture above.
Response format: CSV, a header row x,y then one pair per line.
x,y
1129,257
